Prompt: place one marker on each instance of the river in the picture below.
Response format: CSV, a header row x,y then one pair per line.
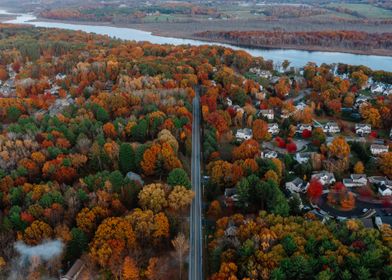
x,y
297,58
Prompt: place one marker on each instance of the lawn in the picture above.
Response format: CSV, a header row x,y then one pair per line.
x,y
366,10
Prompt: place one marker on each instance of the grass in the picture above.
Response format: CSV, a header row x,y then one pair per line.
x,y
366,10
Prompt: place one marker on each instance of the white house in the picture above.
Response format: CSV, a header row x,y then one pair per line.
x,y
384,191
243,134
300,106
273,128
331,127
302,157
302,127
229,102
269,154
268,113
297,185
325,177
355,180
363,128
377,149
377,89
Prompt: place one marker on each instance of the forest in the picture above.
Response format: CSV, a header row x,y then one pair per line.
x,y
320,40
95,144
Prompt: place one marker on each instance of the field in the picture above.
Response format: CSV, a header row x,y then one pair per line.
x,y
366,10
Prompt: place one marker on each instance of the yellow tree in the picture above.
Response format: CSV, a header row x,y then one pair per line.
x,y
180,198
371,115
153,197
113,239
37,232
339,148
359,168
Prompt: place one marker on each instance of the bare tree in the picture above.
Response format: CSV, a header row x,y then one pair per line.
x,y
181,246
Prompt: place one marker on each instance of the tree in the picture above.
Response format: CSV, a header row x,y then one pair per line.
x,y
315,189
181,247
386,164
77,245
248,149
371,115
339,148
130,271
126,158
318,136
153,197
37,232
178,177
180,198
359,78
359,168
13,113
282,88
113,239
101,114
289,245
260,130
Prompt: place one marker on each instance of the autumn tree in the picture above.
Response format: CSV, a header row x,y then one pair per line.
x,y
248,149
180,198
113,239
130,271
315,190
371,115
282,88
359,168
386,164
339,148
359,78
153,197
260,130
37,232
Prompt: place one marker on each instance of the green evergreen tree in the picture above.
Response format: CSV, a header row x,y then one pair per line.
x,y
126,158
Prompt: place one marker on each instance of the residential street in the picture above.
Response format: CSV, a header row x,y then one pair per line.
x,y
196,237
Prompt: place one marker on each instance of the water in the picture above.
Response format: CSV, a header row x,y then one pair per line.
x,y
296,57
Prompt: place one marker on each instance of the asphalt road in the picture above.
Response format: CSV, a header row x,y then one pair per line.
x,y
196,237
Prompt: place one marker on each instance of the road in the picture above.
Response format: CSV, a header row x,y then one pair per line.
x,y
196,237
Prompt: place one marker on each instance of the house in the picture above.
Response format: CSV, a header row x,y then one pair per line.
x,y
388,92
273,128
378,180
135,177
230,197
269,154
377,149
302,157
302,127
297,185
285,114
229,102
377,89
363,128
360,100
384,191
355,180
325,177
269,114
74,272
243,134
60,76
300,106
331,127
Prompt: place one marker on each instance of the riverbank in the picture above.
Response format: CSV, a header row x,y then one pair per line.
x,y
175,33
